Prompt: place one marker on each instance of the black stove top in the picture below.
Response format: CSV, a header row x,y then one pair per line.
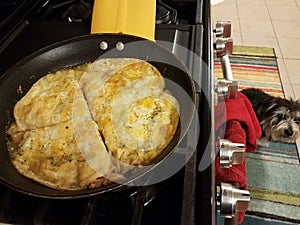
x,y
185,198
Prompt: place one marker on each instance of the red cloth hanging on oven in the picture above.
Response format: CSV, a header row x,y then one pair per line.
x,y
239,109
236,121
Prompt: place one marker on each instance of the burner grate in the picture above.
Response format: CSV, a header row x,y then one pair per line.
x,y
67,10
16,208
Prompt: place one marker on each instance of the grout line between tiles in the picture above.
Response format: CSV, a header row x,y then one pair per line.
x,y
275,34
239,22
297,5
282,70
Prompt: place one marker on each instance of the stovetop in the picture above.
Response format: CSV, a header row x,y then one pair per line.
x,y
183,26
53,21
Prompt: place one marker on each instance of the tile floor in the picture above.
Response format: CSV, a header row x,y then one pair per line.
x,y
267,23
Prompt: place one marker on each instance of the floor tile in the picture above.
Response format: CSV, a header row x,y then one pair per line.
x,y
253,12
281,2
288,91
287,29
252,2
262,42
293,69
257,28
284,76
237,40
225,12
284,13
290,47
235,26
296,88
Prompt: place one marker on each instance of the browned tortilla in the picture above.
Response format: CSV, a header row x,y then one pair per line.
x,y
71,123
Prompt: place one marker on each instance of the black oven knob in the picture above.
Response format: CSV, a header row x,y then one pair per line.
x,y
223,29
232,200
231,153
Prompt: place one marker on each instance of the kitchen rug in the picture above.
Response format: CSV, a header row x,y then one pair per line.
x,y
273,171
254,67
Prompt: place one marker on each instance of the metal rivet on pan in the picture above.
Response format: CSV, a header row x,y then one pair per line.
x,y
103,45
120,46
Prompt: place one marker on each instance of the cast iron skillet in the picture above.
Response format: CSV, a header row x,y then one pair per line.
x,y
73,52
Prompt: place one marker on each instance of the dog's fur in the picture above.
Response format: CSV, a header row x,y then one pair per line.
x,y
279,118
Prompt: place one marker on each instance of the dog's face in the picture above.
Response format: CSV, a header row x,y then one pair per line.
x,y
283,122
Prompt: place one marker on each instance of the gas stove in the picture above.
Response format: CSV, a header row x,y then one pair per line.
x,y
186,198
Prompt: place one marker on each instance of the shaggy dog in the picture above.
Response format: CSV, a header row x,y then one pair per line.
x,y
279,118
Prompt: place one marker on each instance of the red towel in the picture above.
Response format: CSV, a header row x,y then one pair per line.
x,y
239,109
237,122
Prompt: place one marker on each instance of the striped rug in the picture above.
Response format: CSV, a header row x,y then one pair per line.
x,y
273,172
254,67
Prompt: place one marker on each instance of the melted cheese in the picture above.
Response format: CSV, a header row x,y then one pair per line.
x,y
70,123
135,116
114,81
51,156
48,102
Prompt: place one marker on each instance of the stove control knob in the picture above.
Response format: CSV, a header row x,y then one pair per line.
x,y
232,200
223,46
227,89
231,153
223,29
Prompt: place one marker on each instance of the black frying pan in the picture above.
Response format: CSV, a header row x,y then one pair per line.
x,y
74,52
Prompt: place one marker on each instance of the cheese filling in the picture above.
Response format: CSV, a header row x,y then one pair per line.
x,y
73,126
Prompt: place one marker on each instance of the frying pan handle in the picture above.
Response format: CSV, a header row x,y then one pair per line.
x,y
134,17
